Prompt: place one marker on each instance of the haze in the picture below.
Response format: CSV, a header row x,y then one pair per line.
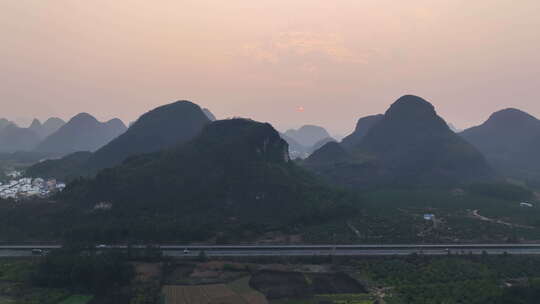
x,y
339,60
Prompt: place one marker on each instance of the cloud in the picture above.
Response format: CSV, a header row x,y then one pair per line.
x,y
285,45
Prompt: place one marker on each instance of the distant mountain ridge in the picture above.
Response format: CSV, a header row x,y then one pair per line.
x,y
14,138
510,139
160,128
4,123
308,135
303,141
50,126
83,132
411,144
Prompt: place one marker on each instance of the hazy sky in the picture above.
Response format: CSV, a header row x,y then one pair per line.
x,y
266,59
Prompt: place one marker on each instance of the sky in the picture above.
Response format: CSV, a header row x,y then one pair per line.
x,y
287,62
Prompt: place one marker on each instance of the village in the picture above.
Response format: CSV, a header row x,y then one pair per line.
x,y
18,187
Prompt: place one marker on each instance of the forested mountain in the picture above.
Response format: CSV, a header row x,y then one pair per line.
x,y
411,144
235,175
82,133
308,135
66,168
161,128
327,156
510,140
316,146
363,126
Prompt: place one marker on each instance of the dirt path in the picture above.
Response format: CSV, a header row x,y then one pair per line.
x,y
477,215
354,230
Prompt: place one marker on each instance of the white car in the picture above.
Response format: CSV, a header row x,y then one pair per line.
x,y
101,246
186,251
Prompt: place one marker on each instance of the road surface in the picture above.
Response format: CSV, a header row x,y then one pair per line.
x,y
305,250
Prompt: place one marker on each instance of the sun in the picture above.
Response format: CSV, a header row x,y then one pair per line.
x,y
300,109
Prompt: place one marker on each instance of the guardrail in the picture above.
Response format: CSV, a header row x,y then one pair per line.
x,y
288,247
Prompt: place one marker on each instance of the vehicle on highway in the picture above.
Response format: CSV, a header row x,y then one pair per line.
x,y
37,251
101,246
186,251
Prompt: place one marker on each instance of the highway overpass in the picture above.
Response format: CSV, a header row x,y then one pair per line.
x,y
299,250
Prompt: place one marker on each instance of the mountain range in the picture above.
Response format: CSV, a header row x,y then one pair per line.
x,y
306,139
83,132
49,127
161,128
307,135
14,138
409,144
235,174
175,174
510,140
55,137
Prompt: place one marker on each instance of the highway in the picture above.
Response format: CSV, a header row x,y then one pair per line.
x,y
302,250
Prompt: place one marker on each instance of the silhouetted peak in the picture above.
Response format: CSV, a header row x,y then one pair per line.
x,y
171,110
308,135
83,117
311,128
510,116
411,106
36,124
180,103
240,127
246,137
54,121
116,123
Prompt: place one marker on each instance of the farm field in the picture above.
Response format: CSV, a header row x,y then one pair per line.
x,y
77,299
334,299
249,294
6,300
201,294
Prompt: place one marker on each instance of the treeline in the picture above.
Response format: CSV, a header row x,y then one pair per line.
x,y
468,279
86,271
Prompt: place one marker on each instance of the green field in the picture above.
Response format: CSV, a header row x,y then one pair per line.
x,y
334,299
77,299
396,216
14,270
6,300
